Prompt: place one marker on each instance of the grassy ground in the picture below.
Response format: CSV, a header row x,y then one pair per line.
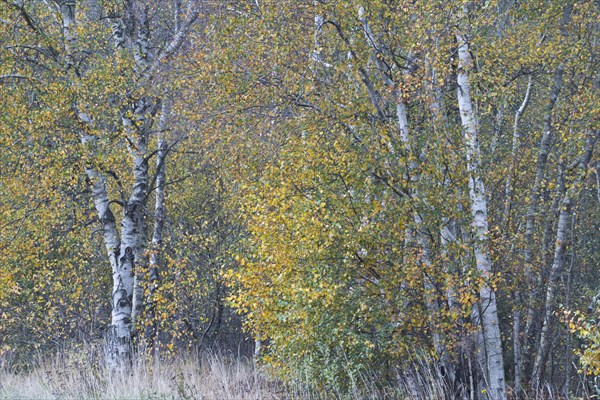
x,y
73,376
79,375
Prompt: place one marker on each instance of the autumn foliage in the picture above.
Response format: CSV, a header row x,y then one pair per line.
x,y
355,186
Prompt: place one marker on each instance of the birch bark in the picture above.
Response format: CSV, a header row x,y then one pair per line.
x,y
489,315
126,249
514,150
119,349
67,12
118,340
517,360
159,219
133,229
403,129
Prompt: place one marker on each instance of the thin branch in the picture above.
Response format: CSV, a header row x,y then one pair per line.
x,y
363,73
175,44
8,77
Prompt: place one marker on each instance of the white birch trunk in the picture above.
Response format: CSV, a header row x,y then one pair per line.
x,y
119,336
514,150
175,44
159,218
489,315
133,230
67,12
517,363
316,53
141,52
258,348
125,254
127,299
403,130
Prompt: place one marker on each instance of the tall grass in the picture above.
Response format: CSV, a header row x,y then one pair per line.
x,y
73,375
80,374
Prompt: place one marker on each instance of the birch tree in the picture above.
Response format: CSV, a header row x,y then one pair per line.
x,y
127,251
135,109
492,343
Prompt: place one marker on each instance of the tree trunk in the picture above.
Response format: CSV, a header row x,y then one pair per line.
x,y
157,234
506,223
558,262
120,255
534,198
532,210
67,12
119,336
403,129
133,227
513,157
489,315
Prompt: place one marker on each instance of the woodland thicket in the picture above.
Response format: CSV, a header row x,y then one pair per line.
x,y
354,186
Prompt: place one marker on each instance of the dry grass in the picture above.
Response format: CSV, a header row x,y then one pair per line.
x,y
77,376
80,375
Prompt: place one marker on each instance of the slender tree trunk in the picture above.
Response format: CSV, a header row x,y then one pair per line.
x,y
159,218
404,132
532,211
558,262
133,227
518,389
514,151
122,264
119,336
506,222
120,257
316,53
489,315
258,348
67,12
534,198
597,173
568,348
